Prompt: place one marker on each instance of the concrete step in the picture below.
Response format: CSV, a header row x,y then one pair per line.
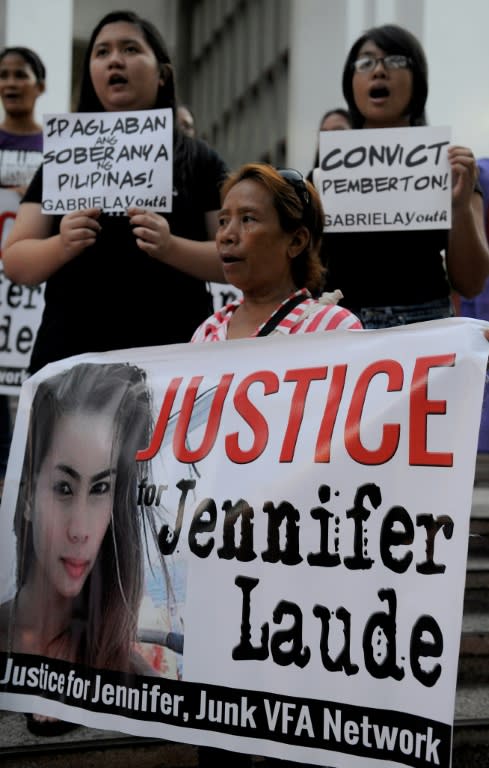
x,y
480,501
473,664
90,748
472,711
482,470
478,540
477,577
474,641
479,516
87,748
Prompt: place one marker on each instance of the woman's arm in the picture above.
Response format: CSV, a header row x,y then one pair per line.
x,y
31,254
199,259
468,250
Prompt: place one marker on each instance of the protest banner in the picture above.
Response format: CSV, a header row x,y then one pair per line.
x,y
222,294
315,496
21,309
385,179
18,166
110,160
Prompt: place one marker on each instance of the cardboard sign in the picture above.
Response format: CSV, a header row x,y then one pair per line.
x,y
108,160
385,179
21,309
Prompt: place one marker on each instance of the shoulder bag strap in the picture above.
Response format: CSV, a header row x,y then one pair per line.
x,y
282,312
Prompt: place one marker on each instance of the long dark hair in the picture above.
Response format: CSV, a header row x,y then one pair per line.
x,y
30,57
104,618
88,99
391,39
166,98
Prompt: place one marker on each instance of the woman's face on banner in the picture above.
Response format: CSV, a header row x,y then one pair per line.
x,y
124,69
73,500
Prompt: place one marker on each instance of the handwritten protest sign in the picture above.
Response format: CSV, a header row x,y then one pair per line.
x,y
109,160
385,179
315,494
21,310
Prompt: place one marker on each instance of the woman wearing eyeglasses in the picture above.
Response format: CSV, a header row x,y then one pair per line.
x,y
268,237
394,278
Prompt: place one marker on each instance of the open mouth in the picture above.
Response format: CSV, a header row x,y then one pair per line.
x,y
117,80
228,259
379,92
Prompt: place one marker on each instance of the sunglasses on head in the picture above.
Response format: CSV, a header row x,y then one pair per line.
x,y
297,180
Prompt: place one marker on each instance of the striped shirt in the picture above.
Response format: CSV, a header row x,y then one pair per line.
x,y
309,316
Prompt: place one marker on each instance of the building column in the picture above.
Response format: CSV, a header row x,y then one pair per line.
x,y
47,28
317,52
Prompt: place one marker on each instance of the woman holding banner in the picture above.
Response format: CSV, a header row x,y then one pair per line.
x,y
123,280
391,277
81,537
268,240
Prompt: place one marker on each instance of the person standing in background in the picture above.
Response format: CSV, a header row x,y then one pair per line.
x,y
22,81
479,305
268,239
121,281
186,120
393,278
337,119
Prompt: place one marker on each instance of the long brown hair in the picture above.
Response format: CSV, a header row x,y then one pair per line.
x,y
103,626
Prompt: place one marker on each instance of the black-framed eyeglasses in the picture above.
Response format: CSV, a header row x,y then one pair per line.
x,y
297,180
367,64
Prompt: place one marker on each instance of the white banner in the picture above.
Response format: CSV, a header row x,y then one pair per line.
x,y
385,179
21,309
108,160
314,496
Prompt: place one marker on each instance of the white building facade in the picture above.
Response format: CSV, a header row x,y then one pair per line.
x,y
260,73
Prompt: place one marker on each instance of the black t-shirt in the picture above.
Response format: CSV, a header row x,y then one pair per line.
x,y
375,269
115,296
